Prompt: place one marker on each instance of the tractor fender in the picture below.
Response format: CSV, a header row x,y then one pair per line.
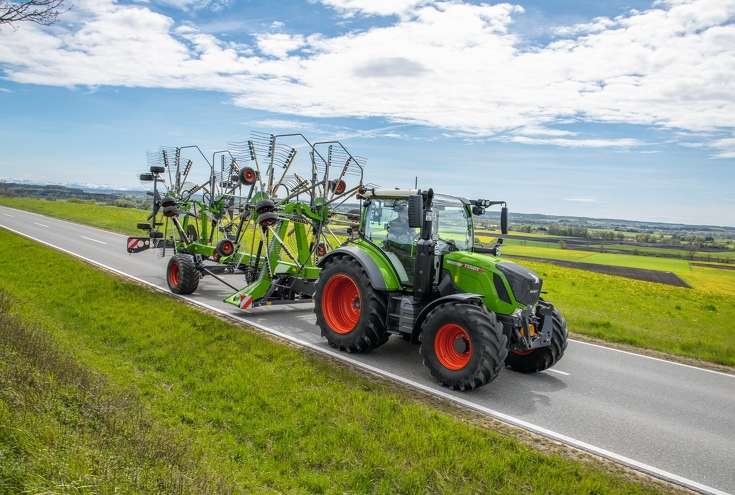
x,y
370,266
436,302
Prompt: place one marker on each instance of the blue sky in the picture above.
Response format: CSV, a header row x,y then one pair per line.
x,y
614,109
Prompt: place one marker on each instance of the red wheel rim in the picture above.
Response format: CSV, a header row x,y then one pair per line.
x,y
173,274
227,248
321,249
341,304
249,175
446,351
268,223
215,255
341,186
523,353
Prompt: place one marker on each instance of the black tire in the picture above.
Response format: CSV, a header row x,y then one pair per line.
x,y
264,206
168,201
477,330
267,219
542,358
181,274
155,234
349,311
156,169
170,211
248,176
225,248
144,226
146,177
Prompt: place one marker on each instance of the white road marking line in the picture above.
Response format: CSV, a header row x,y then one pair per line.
x,y
90,239
654,358
557,371
11,216
42,225
660,473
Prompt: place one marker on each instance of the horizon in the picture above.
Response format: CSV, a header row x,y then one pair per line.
x,y
107,187
605,110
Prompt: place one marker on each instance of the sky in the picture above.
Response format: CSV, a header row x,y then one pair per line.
x,y
605,109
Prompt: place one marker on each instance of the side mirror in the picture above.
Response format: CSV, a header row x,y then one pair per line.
x,y
504,220
415,211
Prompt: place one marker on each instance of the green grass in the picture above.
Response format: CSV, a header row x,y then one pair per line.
x,y
264,416
121,220
66,428
712,280
675,320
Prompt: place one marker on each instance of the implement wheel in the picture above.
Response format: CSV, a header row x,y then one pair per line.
x,y
181,274
541,358
225,248
463,345
350,313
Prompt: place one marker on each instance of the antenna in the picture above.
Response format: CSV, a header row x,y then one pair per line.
x,y
416,183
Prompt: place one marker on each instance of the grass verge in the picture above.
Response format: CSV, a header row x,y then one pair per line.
x,y
65,428
266,417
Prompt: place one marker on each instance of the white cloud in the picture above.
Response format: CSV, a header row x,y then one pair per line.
x,y
449,65
578,143
278,44
215,5
283,124
372,7
725,146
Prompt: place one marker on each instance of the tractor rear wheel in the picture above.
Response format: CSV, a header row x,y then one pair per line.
x,y
181,274
463,345
541,358
349,311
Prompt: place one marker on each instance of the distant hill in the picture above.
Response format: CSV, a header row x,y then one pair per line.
x,y
53,191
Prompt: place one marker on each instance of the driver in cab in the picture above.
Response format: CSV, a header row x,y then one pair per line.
x,y
398,229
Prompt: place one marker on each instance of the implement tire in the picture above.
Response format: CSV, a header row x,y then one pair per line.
x,y
463,345
181,274
542,358
349,311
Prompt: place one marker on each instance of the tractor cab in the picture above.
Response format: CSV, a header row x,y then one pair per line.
x,y
386,225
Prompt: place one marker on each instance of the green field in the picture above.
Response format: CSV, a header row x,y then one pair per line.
x,y
137,392
121,220
706,279
594,245
674,320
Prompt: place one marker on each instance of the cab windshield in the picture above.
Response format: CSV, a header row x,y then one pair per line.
x,y
453,223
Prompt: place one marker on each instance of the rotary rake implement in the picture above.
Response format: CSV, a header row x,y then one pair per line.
x,y
270,210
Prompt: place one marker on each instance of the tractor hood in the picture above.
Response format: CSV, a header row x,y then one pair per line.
x,y
524,284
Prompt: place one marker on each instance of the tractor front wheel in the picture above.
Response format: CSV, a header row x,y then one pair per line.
x,y
541,358
181,274
463,345
349,311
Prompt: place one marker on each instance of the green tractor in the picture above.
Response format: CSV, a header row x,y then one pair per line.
x,y
413,270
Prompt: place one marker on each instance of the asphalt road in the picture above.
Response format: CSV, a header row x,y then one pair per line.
x,y
674,421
